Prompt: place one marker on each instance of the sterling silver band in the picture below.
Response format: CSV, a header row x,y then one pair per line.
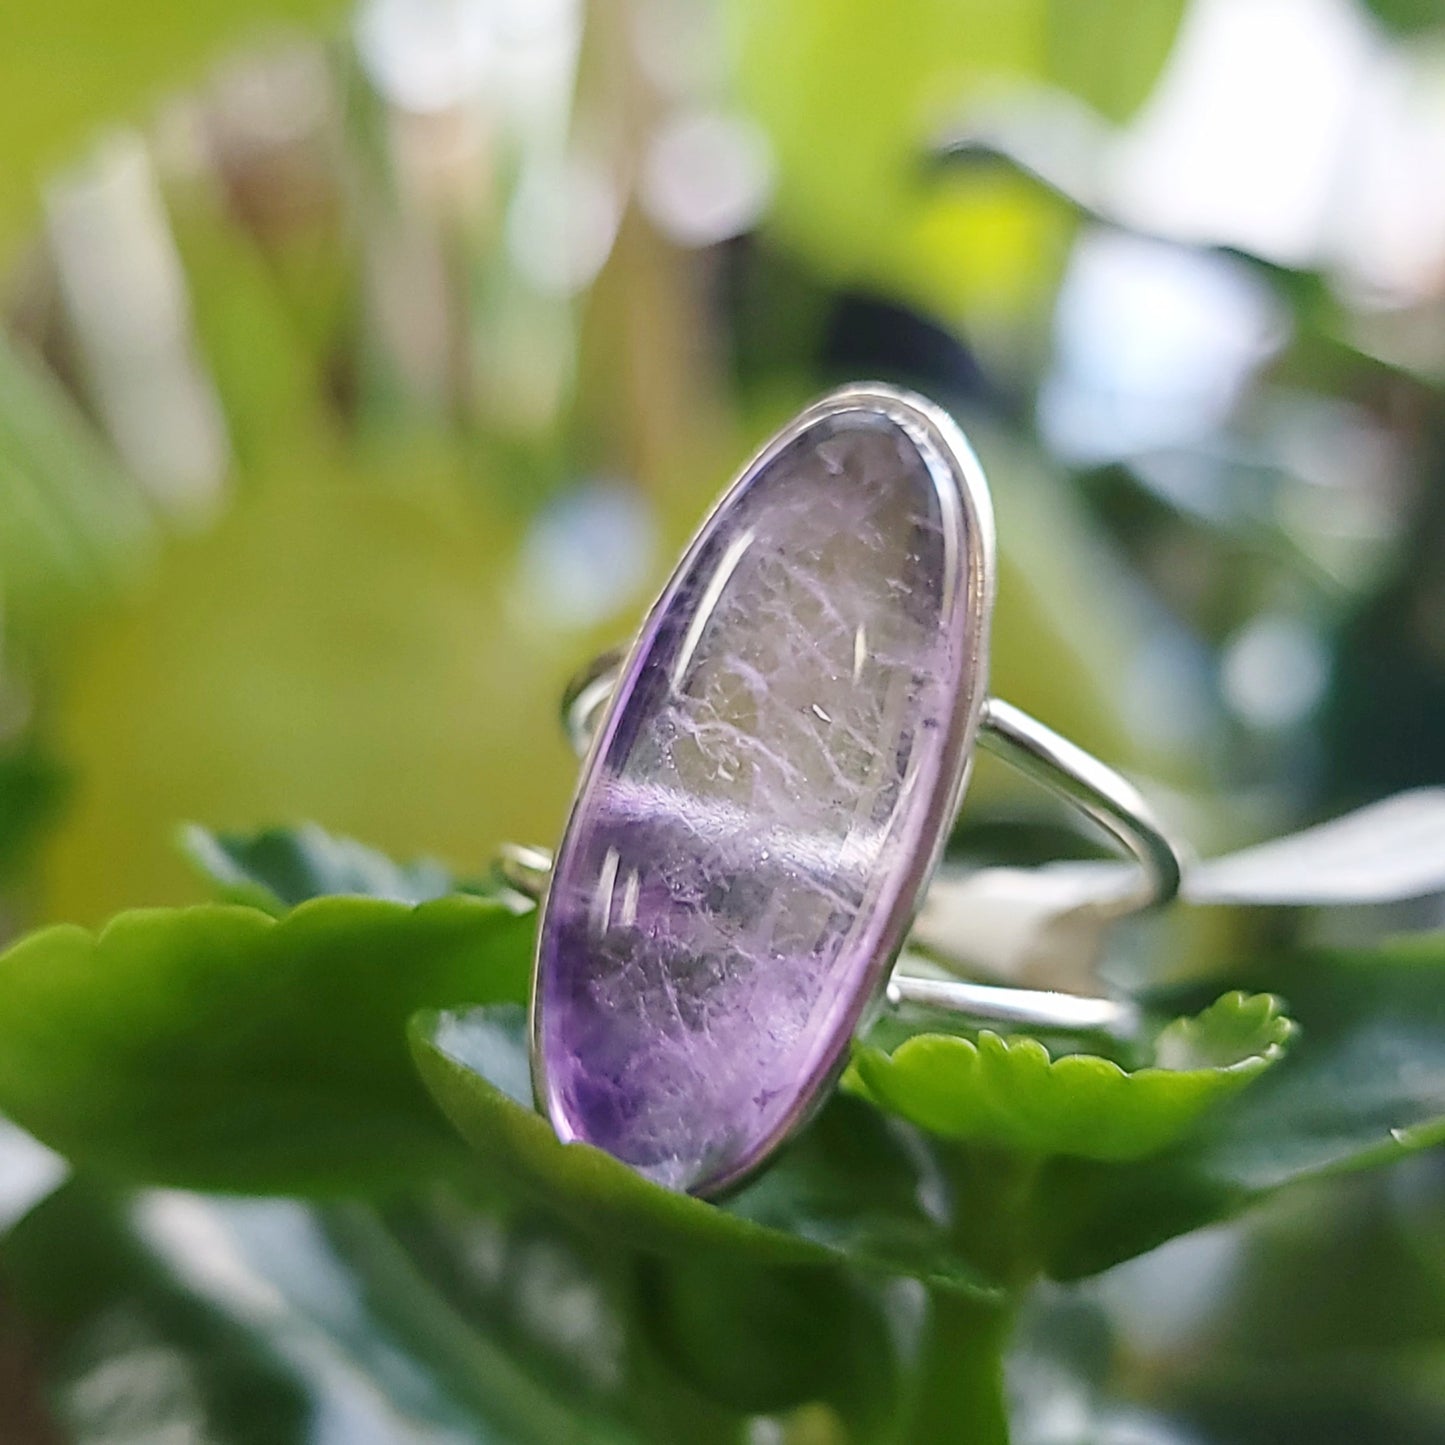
x,y
525,869
1098,791
1035,750
1043,1009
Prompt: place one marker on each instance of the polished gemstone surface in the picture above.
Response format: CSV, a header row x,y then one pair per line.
x,y
768,791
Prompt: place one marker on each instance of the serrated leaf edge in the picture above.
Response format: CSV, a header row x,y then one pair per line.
x,y
874,1071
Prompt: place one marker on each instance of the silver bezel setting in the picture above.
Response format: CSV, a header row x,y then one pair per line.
x,y
956,474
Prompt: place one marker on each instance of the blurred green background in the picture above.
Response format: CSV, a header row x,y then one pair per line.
x,y
363,368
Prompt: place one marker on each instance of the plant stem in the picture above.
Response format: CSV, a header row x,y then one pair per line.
x,y
23,1411
960,1388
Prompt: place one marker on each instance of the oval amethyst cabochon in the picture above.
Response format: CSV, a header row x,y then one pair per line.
x,y
768,794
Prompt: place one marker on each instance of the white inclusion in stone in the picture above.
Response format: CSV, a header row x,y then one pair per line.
x,y
630,891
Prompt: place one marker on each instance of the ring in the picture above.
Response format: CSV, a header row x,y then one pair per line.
x,y
771,772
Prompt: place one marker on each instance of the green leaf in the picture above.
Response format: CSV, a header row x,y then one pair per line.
x,y
1008,1092
281,867
1110,52
98,1305
763,1339
71,522
976,248
563,1306
231,690
69,67
849,195
1370,1085
32,789
267,309
265,1322
1408,16
852,1188
1329,1324
1364,1084
221,1048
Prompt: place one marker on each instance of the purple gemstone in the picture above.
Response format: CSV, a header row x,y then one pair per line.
x,y
768,795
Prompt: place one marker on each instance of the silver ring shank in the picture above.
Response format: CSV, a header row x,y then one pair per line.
x,y
1096,790
1013,1007
1038,752
1035,750
586,696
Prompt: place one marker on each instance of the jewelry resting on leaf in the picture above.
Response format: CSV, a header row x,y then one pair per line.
x,y
772,769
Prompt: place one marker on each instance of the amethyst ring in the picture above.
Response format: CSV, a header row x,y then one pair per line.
x,y
772,770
